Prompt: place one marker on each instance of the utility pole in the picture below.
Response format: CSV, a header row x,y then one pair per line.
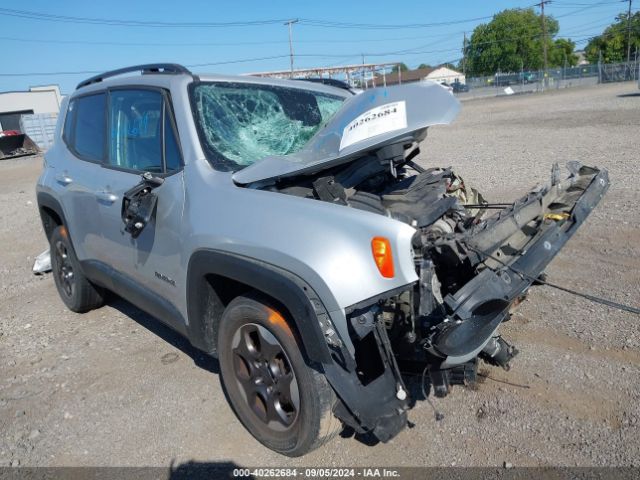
x,y
544,37
291,22
629,35
599,65
464,55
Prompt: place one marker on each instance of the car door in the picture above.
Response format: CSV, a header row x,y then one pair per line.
x,y
77,174
143,140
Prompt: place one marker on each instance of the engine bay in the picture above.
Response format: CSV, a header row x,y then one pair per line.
x,y
474,268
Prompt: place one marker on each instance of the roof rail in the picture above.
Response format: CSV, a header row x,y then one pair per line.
x,y
172,68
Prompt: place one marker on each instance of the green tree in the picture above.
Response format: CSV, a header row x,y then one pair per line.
x,y
403,68
512,40
561,53
424,65
613,41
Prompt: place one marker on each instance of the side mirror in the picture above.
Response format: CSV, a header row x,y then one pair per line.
x,y
139,204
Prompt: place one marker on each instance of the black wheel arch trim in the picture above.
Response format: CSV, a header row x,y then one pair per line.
x,y
283,286
47,200
372,408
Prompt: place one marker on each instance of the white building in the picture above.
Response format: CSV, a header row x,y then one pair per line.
x,y
13,105
447,75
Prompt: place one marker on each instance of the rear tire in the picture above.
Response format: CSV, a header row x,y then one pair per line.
x,y
281,400
75,290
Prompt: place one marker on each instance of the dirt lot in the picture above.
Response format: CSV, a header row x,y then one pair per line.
x,y
113,387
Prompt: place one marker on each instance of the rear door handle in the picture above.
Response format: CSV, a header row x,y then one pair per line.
x,y
63,179
106,197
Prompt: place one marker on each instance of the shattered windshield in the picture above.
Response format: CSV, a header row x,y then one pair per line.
x,y
240,124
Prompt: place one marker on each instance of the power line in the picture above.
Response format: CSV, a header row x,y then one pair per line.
x,y
412,51
588,7
194,65
43,16
129,23
221,44
373,26
557,4
249,23
263,42
31,15
274,57
145,44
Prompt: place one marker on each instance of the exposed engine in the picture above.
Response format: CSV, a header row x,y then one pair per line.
x,y
464,259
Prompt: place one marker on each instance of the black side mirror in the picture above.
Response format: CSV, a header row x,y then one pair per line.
x,y
139,204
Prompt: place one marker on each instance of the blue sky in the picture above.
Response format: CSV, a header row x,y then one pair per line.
x,y
42,46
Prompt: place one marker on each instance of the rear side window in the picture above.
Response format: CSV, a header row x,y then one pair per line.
x,y
67,134
89,131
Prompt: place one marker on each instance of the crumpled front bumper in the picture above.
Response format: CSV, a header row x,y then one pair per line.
x,y
475,310
512,261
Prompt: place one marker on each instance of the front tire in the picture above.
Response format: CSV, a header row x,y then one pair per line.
x,y
75,290
282,401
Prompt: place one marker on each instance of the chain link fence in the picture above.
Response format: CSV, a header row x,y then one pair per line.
x,y
554,78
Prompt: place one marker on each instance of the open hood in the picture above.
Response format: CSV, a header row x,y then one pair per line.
x,y
366,122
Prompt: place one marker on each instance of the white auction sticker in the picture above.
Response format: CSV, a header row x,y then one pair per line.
x,y
382,119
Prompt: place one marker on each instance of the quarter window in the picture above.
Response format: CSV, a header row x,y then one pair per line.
x,y
67,134
89,130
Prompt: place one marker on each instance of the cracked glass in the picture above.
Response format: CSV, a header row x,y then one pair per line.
x,y
241,124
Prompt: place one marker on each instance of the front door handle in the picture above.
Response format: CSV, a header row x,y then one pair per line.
x,y
106,197
63,179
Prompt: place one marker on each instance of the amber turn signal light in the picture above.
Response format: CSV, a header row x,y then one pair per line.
x,y
381,249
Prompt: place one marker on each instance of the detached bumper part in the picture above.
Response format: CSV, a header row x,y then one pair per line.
x,y
447,331
526,237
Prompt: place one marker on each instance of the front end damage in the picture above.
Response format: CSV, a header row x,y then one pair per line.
x,y
475,262
474,270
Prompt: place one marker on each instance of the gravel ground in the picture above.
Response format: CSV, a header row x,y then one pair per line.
x,y
113,387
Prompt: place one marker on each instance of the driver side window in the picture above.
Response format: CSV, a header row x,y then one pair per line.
x,y
138,122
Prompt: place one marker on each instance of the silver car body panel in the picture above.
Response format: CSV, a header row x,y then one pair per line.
x,y
306,237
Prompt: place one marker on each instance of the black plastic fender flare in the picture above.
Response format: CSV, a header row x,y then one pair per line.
x,y
285,287
47,200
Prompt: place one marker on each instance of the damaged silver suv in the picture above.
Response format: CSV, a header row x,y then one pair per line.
x,y
284,227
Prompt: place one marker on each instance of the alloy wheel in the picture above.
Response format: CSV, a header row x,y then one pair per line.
x,y
265,378
64,269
